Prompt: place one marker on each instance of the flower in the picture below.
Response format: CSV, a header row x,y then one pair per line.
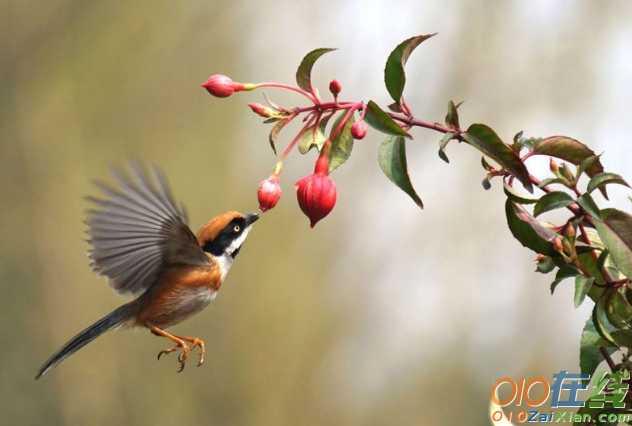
x,y
316,193
358,130
269,193
222,86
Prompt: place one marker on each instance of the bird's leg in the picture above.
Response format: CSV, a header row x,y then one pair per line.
x,y
180,344
195,342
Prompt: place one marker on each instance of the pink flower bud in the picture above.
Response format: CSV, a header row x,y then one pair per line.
x,y
335,87
269,193
553,166
358,130
221,86
316,196
261,110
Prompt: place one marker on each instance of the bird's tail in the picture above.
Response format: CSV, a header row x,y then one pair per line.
x,y
114,319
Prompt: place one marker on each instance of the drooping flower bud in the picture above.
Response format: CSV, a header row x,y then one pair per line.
x,y
316,193
358,130
335,87
222,86
269,193
261,110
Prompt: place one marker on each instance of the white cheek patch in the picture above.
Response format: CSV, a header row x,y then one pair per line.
x,y
226,260
238,241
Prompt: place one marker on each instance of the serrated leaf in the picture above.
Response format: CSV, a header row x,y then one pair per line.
x,y
523,227
342,143
394,74
382,122
589,354
582,285
304,71
516,197
392,157
443,143
587,203
452,117
274,134
566,271
552,201
487,141
314,136
570,150
605,179
616,233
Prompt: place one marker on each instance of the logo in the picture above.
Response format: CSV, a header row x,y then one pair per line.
x,y
604,402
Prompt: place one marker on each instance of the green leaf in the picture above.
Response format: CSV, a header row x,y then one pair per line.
x,y
552,201
392,158
274,134
618,309
381,121
516,197
342,143
589,354
605,179
586,163
528,231
550,181
582,285
566,271
394,74
570,150
314,137
616,233
304,71
452,118
587,203
443,143
623,337
545,266
602,325
487,141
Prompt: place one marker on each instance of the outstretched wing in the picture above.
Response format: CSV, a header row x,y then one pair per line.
x,y
137,230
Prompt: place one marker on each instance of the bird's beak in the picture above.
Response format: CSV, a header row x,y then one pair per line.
x,y
251,218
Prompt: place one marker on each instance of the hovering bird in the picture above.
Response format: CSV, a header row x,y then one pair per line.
x,y
142,243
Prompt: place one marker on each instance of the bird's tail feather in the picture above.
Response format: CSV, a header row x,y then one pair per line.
x,y
113,320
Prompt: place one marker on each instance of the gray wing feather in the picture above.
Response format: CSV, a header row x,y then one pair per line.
x,y
137,230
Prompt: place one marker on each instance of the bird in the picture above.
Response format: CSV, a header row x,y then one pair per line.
x,y
141,242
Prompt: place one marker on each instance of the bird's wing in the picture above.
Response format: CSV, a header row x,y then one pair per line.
x,y
137,230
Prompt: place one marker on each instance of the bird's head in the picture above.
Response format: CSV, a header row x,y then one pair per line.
x,y
224,234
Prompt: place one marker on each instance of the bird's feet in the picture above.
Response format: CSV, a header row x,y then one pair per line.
x,y
181,345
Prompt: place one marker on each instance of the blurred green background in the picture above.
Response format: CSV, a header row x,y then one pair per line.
x,y
383,314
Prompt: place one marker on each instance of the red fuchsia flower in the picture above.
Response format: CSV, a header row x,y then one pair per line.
x,y
316,193
269,193
335,87
222,86
358,130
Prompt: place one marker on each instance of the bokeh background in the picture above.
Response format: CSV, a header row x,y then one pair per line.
x,y
383,314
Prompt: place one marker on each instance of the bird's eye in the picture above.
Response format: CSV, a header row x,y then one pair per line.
x,y
236,229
